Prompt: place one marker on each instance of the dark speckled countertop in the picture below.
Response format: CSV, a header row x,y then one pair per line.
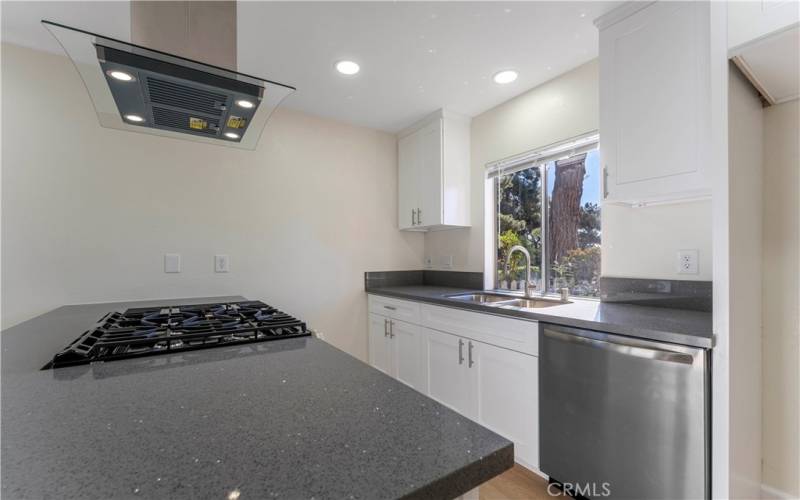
x,y
679,326
295,418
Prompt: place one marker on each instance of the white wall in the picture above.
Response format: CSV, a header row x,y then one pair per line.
x,y
644,242
88,212
636,242
781,300
745,129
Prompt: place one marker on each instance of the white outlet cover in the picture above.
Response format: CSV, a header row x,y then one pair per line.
x,y
429,262
172,262
222,264
687,261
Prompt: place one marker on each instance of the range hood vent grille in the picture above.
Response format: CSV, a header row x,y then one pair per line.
x,y
179,120
189,98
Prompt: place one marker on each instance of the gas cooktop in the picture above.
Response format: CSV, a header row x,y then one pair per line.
x,y
161,330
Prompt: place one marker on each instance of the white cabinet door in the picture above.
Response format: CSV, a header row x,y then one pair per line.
x,y
379,343
429,179
447,376
507,387
655,103
407,352
407,171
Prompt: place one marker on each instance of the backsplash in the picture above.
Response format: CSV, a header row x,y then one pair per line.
x,y
455,279
674,294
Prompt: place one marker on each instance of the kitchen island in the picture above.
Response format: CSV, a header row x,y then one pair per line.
x,y
292,418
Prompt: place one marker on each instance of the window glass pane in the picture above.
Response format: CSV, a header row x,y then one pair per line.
x,y
519,222
573,236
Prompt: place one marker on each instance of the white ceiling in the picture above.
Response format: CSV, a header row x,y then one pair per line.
x,y
415,57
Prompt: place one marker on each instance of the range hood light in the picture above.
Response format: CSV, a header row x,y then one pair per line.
x,y
244,104
231,135
134,118
120,75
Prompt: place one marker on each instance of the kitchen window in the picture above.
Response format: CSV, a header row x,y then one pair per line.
x,y
548,201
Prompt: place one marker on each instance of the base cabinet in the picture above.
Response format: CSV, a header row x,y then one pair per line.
x,y
448,372
507,389
395,348
495,386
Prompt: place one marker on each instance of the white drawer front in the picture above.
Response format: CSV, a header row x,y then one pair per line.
x,y
403,310
516,334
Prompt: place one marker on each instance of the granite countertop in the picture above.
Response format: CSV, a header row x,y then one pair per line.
x,y
295,418
679,326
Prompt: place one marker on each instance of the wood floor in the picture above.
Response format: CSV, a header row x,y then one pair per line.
x,y
517,483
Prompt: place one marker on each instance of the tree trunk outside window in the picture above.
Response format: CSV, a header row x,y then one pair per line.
x,y
565,207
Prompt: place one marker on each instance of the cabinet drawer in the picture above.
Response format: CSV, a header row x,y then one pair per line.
x,y
403,310
519,335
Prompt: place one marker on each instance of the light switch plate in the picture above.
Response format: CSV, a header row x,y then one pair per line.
x,y
428,262
446,261
222,264
687,261
172,262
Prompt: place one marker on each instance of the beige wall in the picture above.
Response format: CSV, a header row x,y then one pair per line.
x,y
745,151
636,242
88,212
781,299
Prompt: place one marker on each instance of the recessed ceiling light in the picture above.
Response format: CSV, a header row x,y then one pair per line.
x,y
134,118
244,104
120,75
505,76
347,67
231,135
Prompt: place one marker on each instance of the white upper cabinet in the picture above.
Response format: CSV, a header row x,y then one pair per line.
x,y
750,20
433,173
655,102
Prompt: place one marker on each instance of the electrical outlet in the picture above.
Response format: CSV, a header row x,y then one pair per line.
x,y
222,264
687,261
172,262
428,262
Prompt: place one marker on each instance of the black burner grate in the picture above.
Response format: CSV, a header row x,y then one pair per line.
x,y
159,330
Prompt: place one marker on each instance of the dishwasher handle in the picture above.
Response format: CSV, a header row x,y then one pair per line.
x,y
638,351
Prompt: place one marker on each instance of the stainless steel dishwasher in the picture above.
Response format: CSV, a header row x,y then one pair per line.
x,y
622,417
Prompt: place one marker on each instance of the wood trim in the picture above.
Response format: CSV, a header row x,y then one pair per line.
x,y
751,77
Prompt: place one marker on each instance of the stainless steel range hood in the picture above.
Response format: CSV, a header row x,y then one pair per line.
x,y
139,89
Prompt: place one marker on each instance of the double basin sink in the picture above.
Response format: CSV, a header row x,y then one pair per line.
x,y
506,301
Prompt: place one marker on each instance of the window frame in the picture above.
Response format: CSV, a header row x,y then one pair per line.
x,y
536,158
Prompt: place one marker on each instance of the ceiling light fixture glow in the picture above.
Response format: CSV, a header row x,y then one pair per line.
x,y
244,104
505,76
347,67
134,118
231,135
121,76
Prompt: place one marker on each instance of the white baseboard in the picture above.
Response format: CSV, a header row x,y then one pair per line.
x,y
768,492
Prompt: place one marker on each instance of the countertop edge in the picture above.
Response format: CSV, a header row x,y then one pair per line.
x,y
468,477
656,335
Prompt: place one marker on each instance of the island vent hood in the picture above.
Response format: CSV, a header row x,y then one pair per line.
x,y
140,89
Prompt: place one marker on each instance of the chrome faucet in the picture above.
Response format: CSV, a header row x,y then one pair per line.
x,y
529,286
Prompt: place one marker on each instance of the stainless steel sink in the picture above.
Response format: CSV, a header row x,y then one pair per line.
x,y
481,298
505,301
532,303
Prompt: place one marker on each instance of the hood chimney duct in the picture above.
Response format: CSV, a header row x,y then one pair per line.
x,y
203,31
